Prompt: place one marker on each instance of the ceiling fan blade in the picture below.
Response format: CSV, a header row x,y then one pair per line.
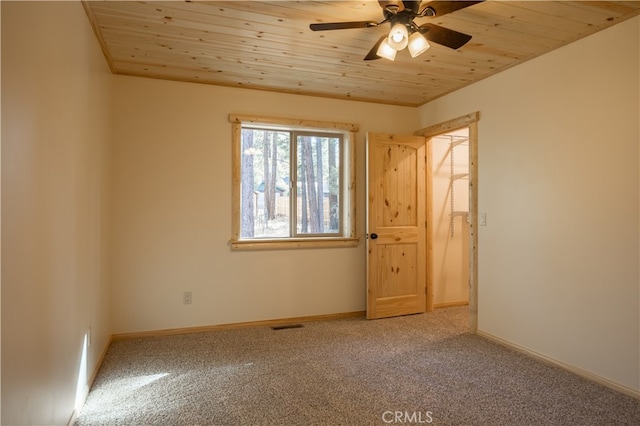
x,y
373,52
342,25
444,36
412,5
440,8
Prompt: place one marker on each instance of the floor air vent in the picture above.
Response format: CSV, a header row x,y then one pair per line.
x,y
286,326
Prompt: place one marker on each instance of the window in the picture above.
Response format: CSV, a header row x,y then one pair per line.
x,y
293,183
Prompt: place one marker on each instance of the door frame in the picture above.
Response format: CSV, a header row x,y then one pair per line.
x,y
470,121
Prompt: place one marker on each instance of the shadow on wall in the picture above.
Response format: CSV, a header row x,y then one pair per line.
x,y
450,168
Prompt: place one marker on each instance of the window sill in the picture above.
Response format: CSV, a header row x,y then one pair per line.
x,y
293,243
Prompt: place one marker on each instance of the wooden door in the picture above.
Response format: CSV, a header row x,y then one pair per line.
x,y
396,224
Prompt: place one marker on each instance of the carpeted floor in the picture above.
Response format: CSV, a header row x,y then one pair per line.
x,y
419,369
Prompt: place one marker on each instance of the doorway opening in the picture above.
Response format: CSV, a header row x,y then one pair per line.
x,y
450,218
469,124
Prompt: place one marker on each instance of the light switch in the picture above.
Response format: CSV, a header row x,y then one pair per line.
x,y
482,219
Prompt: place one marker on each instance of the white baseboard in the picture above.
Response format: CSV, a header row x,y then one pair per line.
x,y
570,368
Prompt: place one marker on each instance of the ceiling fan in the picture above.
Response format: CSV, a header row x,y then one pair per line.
x,y
404,31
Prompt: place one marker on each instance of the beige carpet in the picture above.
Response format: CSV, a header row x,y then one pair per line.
x,y
419,369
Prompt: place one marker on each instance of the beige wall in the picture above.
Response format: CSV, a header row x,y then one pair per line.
x,y
55,128
172,216
558,180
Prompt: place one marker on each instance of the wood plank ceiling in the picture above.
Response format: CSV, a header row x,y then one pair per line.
x,y
269,46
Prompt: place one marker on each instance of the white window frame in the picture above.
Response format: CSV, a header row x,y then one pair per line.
x,y
348,236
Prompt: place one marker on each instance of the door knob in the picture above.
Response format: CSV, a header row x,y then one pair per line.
x,y
374,236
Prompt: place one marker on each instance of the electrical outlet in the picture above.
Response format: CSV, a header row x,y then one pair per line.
x,y
186,297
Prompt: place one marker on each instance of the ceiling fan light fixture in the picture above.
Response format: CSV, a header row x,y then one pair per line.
x,y
418,44
386,51
398,36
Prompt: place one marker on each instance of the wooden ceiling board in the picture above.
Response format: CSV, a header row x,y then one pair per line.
x,y
269,46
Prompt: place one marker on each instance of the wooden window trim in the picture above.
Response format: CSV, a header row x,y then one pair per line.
x,y
349,238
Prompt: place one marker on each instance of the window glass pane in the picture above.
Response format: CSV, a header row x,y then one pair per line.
x,y
318,185
265,170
